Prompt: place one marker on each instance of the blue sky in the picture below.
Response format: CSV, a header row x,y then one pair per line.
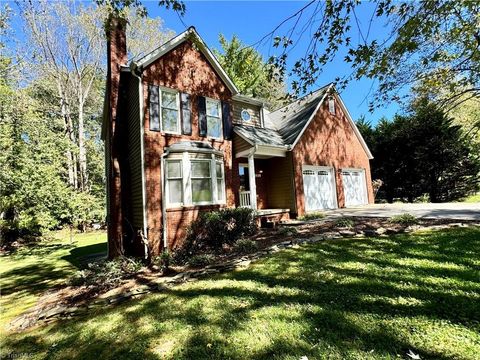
x,y
251,20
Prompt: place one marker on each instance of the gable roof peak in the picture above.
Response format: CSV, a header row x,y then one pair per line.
x,y
189,34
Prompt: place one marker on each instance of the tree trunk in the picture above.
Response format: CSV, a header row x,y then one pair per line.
x,y
68,127
82,152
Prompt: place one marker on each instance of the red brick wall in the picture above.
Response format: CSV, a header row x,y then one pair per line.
x,y
329,140
187,70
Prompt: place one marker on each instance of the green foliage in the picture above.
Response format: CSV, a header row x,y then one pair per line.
x,y
316,215
34,193
163,260
201,260
404,219
214,229
245,66
423,152
433,40
245,246
345,222
287,230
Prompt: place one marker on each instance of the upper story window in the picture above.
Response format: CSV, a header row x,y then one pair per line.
x,y
170,116
164,109
331,105
214,118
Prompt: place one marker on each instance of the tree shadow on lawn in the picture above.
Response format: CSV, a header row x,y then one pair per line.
x,y
81,256
334,299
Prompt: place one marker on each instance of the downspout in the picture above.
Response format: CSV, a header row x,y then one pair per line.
x,y
142,154
164,208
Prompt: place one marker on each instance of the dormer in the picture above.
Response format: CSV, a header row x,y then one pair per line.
x,y
248,111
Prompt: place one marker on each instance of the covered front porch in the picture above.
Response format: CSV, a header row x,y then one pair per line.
x,y
265,178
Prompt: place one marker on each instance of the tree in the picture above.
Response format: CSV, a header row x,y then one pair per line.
x,y
250,73
436,41
66,43
423,152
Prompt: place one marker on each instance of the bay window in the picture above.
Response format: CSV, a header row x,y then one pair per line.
x,y
174,181
195,179
201,181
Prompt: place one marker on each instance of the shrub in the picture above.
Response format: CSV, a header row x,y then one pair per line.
x,y
201,260
404,219
345,222
214,229
163,260
245,246
287,231
312,216
107,274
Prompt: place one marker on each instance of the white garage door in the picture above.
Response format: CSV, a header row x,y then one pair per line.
x,y
354,187
319,188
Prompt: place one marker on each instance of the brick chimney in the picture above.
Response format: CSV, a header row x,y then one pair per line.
x,y
116,56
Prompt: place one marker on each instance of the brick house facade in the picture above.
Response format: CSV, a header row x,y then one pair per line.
x,y
180,139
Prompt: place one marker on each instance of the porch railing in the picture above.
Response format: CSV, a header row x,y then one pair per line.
x,y
245,199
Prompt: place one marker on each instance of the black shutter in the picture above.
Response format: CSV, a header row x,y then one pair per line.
x,y
227,121
186,119
202,116
154,108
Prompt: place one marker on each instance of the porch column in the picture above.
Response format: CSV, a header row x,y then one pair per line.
x,y
251,180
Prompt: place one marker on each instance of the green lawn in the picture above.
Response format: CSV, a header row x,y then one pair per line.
x,y
31,271
473,198
339,299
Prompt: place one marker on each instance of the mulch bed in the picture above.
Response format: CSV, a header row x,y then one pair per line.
x,y
69,301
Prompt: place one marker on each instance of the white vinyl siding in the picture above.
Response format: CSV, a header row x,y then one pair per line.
x,y
214,118
169,113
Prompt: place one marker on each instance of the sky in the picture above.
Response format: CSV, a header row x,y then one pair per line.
x,y
252,20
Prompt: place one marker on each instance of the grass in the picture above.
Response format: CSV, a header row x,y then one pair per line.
x,y
339,299
472,198
29,272
404,219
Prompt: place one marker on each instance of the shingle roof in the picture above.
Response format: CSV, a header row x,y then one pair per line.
x,y
290,120
284,125
260,136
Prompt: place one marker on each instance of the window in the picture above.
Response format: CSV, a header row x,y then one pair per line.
x,y
331,105
214,118
170,114
245,115
174,181
201,181
220,181
195,181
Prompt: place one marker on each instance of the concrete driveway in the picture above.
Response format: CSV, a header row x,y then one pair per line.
x,y
457,211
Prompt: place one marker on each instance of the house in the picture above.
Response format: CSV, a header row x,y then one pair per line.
x,y
180,139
